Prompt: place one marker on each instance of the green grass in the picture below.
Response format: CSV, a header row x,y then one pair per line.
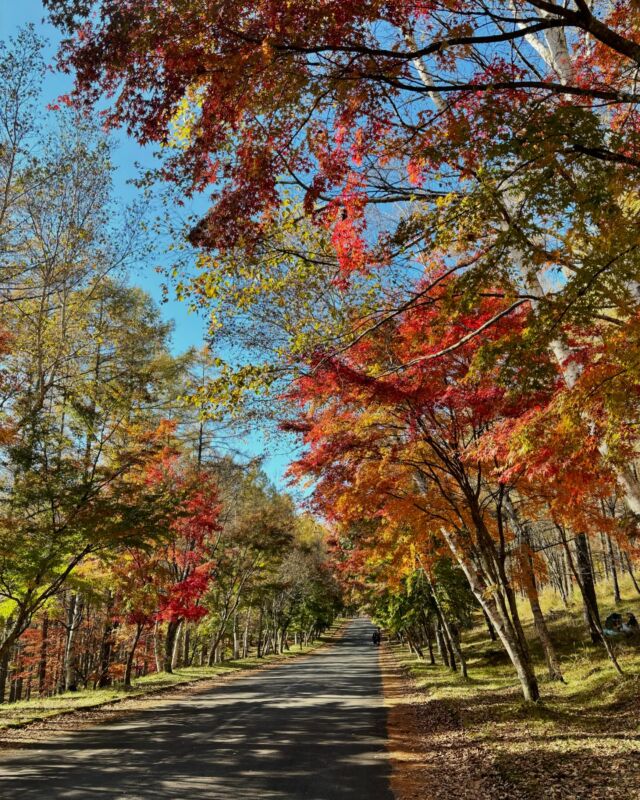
x,y
586,730
15,715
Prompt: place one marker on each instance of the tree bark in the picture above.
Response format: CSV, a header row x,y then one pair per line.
x,y
156,646
490,628
523,538
106,648
4,672
594,617
106,645
590,600
442,646
614,571
236,641
245,635
496,610
131,655
260,623
75,612
169,642
177,646
450,637
42,665
187,656
428,632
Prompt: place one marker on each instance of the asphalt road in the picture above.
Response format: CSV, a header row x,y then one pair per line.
x,y
313,729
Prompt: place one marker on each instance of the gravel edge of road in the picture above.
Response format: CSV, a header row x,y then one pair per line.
x,y
401,698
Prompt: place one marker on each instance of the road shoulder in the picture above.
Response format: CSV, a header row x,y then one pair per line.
x,y
432,758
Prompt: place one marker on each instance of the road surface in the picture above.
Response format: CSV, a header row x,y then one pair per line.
x,y
311,729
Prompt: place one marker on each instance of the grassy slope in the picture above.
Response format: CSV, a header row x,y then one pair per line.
x,y
26,711
582,741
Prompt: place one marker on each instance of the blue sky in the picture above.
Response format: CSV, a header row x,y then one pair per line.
x,y
189,328
15,13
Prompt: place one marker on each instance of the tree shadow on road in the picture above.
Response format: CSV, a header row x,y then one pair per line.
x,y
312,729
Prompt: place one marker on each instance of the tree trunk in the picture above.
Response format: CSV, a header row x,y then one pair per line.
x,y
169,642
106,648
590,600
428,632
75,612
236,641
259,642
442,647
551,657
594,617
490,628
605,554
4,672
187,656
568,573
156,646
563,587
131,656
106,645
415,647
177,646
214,646
245,635
497,613
523,538
614,571
450,636
42,665
452,657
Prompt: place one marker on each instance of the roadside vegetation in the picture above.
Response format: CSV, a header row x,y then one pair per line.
x,y
422,239
581,742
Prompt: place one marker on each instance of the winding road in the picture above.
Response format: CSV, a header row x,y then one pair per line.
x,y
313,728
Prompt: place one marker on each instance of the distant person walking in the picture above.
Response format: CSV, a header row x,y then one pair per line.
x,y
376,636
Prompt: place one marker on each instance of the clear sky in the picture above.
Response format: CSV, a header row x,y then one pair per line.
x,y
16,13
189,328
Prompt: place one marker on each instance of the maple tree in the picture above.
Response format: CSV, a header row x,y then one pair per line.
x,y
498,130
400,440
477,119
442,443
164,580
186,558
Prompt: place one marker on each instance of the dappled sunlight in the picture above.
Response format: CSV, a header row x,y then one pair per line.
x,y
314,728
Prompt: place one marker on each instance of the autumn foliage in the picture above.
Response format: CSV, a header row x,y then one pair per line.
x,y
422,234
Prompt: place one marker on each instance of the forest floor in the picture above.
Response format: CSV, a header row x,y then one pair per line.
x,y
38,716
478,739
